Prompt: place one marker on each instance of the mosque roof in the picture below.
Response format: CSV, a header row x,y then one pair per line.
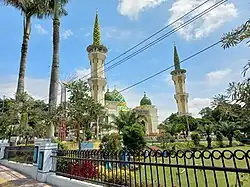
x,y
145,100
115,96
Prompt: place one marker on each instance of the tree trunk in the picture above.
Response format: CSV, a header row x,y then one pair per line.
x,y
54,79
230,139
209,142
24,52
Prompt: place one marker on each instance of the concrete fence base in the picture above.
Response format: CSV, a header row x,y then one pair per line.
x,y
49,178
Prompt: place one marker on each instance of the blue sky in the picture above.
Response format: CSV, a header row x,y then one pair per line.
x,y
123,24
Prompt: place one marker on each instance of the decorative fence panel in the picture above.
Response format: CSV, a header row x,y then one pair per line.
x,y
22,154
157,168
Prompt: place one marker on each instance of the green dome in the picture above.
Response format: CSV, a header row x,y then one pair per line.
x,y
108,96
117,96
145,100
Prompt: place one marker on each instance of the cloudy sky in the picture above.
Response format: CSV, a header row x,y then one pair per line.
x,y
124,23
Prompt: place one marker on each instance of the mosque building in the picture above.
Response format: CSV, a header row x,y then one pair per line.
x,y
114,101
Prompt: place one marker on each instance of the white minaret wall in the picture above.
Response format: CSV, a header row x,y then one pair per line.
x,y
181,96
97,81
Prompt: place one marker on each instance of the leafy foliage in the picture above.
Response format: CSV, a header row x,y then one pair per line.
x,y
81,108
195,136
235,37
133,138
111,143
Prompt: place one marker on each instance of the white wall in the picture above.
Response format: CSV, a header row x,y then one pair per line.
x,y
26,169
50,178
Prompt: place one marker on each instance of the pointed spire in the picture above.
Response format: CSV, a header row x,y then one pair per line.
x,y
97,33
145,94
176,59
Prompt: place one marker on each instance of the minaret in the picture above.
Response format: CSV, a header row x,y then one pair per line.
x,y
179,77
97,55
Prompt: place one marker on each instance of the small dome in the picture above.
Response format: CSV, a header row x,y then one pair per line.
x,y
108,96
145,100
117,96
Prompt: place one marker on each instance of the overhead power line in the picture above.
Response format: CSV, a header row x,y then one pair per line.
x,y
168,68
151,36
161,37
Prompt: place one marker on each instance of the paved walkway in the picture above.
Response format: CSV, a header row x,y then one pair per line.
x,y
10,178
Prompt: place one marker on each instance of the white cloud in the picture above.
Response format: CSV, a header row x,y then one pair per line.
x,y
40,29
132,8
114,33
204,25
196,104
215,77
67,33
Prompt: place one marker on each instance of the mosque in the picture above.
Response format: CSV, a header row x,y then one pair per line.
x,y
114,101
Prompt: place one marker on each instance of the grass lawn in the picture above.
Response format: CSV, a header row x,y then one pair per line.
x,y
188,177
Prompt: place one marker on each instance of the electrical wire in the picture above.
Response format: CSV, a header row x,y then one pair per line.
x,y
161,37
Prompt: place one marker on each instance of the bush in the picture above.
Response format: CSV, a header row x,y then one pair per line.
x,y
133,138
195,136
61,145
85,169
219,138
120,177
111,142
237,135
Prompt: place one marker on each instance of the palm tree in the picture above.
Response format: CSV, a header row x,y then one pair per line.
x,y
58,11
127,118
28,9
207,127
174,128
237,36
227,129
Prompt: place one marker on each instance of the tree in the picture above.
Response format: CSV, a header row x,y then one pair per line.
x,y
237,36
28,9
111,143
80,107
133,138
127,118
227,129
58,10
207,127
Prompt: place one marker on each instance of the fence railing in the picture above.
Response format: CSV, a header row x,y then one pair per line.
x,y
157,168
22,154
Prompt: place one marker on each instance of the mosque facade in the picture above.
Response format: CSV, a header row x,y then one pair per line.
x,y
114,102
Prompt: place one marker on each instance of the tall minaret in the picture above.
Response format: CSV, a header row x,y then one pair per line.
x,y
97,55
179,76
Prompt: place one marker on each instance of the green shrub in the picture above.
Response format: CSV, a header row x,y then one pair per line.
x,y
237,135
219,138
61,145
195,136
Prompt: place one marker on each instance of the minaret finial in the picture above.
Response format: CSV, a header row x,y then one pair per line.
x,y
176,59
144,94
97,33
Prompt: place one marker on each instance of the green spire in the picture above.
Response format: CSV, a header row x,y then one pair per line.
x,y
97,33
176,59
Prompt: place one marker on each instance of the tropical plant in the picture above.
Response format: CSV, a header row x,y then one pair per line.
x,y
111,143
133,138
29,9
127,118
237,36
227,129
207,127
58,10
80,107
195,136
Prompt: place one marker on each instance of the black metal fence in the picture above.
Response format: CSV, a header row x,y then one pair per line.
x,y
22,154
157,168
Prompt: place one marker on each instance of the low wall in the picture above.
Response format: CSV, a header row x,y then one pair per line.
x,y
25,169
60,181
51,178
